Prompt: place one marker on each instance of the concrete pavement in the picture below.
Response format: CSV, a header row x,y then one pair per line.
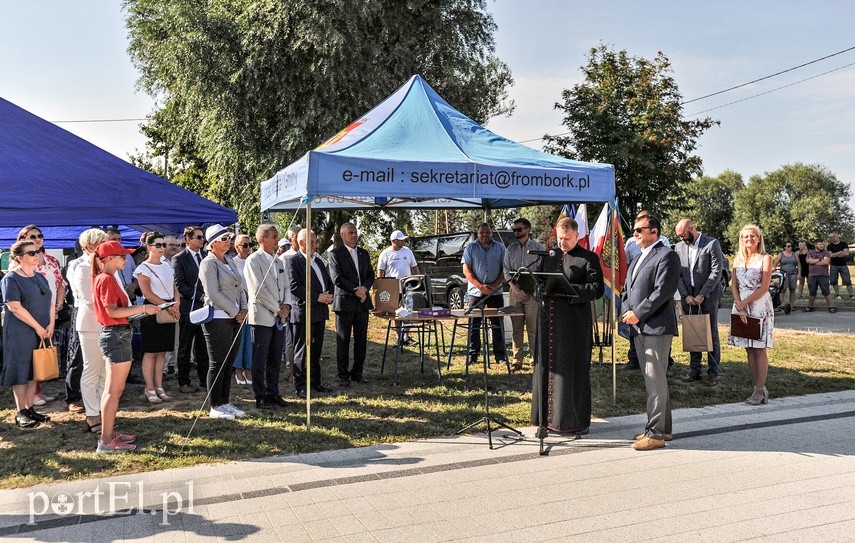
x,y
780,472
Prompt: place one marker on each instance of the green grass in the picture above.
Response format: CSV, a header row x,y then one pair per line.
x,y
379,412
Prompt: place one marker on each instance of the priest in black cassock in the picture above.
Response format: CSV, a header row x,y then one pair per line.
x,y
561,390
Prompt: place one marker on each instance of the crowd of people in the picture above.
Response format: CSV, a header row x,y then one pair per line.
x,y
214,301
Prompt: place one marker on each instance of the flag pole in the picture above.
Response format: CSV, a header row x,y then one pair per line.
x,y
612,216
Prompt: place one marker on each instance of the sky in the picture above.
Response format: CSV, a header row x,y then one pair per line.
x,y
67,60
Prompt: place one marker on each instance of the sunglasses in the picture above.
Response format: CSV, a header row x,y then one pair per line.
x,y
196,237
31,253
640,229
787,245
520,229
245,245
36,236
158,245
224,239
177,244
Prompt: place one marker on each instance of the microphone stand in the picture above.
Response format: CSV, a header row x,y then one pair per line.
x,y
485,346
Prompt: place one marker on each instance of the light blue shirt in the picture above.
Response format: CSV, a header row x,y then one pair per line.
x,y
486,264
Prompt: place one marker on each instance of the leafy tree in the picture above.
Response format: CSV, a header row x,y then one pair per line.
x,y
627,113
709,203
796,202
247,87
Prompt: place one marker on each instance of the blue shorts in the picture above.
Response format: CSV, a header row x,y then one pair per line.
x,y
115,343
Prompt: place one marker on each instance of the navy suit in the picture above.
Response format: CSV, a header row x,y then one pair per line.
x,y
649,294
320,313
351,314
191,338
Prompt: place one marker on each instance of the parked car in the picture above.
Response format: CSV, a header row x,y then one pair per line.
x,y
439,257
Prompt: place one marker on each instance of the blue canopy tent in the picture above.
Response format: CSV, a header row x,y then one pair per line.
x,y
64,184
414,150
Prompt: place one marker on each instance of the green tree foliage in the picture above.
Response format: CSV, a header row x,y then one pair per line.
x,y
796,202
709,203
246,87
627,113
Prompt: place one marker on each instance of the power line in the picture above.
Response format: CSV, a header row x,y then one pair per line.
x,y
768,76
99,121
772,90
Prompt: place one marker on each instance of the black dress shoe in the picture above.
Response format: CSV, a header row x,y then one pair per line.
x,y
360,380
23,419
344,383
278,402
692,377
629,367
263,404
321,389
38,417
301,394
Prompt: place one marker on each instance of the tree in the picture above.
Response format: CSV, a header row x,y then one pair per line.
x,y
795,202
248,87
709,203
627,113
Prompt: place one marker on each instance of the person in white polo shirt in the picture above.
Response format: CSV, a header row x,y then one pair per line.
x,y
397,261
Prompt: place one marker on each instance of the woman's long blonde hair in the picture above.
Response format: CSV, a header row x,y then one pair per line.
x,y
742,254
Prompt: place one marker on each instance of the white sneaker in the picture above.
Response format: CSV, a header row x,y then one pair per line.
x,y
229,408
220,413
838,297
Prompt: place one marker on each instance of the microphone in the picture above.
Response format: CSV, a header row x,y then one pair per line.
x,y
542,253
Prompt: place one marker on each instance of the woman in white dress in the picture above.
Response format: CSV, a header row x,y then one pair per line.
x,y
752,273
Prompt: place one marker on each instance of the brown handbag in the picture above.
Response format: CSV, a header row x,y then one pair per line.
x,y
45,362
165,317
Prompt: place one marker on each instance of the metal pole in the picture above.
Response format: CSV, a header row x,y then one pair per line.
x,y
308,317
612,216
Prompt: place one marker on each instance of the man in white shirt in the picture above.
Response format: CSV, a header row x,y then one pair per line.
x,y
397,260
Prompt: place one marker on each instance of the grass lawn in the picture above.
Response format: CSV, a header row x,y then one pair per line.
x,y
378,412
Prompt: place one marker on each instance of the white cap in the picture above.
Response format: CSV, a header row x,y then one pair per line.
x,y
283,242
397,234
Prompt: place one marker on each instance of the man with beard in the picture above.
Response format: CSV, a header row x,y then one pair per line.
x,y
517,257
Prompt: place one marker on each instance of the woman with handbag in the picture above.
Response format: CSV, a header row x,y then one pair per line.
x,y
224,293
752,273
112,309
30,314
157,283
94,374
50,269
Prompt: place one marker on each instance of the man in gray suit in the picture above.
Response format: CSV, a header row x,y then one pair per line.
x,y
649,311
701,266
266,283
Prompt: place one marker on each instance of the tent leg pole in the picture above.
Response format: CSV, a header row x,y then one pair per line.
x,y
308,318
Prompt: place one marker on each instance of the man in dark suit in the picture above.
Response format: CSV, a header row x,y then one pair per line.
x,y
649,311
701,266
353,275
319,300
185,265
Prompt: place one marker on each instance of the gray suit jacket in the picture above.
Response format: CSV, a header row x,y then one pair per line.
x,y
706,271
266,288
649,292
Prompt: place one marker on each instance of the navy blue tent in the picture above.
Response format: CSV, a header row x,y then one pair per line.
x,y
52,178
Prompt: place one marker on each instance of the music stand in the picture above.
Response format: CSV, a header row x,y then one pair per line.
x,y
550,284
485,346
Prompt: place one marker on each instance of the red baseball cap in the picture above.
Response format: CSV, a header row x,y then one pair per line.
x,y
112,248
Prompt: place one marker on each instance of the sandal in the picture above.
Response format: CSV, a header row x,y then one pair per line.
x,y
93,428
152,396
516,366
807,309
162,394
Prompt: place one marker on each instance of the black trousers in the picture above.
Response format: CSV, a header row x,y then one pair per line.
x,y
74,364
299,370
223,341
500,351
267,344
191,339
347,324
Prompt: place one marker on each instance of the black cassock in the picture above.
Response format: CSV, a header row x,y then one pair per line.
x,y
566,344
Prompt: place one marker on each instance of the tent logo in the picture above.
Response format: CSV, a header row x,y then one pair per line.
x,y
340,136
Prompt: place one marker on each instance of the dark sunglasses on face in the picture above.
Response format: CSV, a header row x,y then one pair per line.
x,y
245,245
177,244
158,245
640,229
31,253
196,237
36,236
520,229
